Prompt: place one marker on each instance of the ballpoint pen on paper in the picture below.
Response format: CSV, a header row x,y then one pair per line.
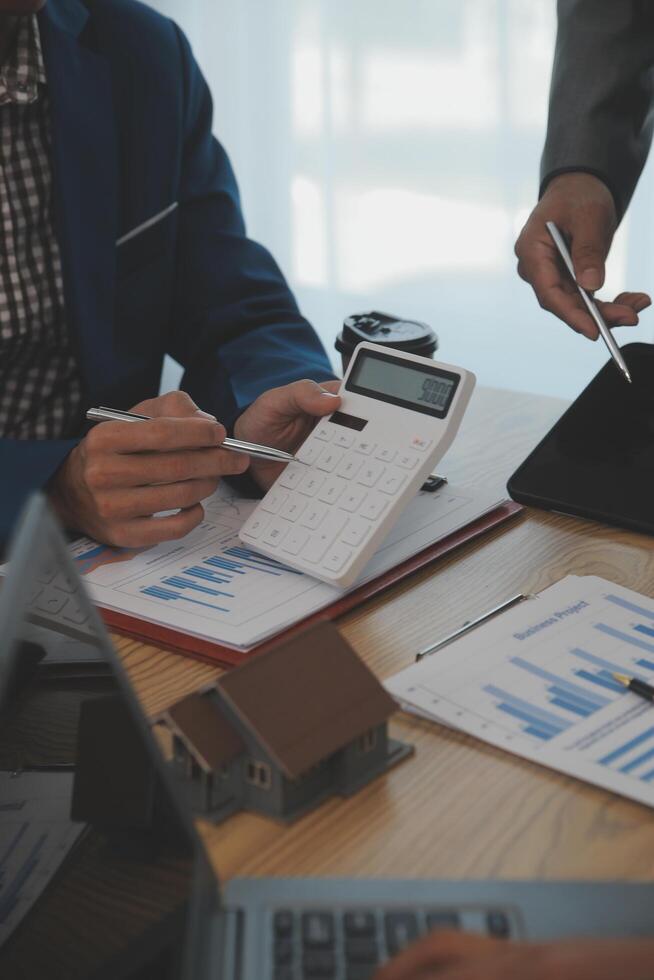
x,y
605,333
104,414
636,685
467,627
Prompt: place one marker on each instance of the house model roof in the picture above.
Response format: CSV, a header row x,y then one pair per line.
x,y
306,697
204,730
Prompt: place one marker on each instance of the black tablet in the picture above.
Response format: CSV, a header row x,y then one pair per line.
x,y
597,462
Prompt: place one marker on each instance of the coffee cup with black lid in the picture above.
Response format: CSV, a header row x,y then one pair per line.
x,y
392,331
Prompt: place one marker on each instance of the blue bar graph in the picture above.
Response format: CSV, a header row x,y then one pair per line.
x,y
30,864
638,761
560,684
631,606
260,560
239,561
208,576
583,702
179,582
4,857
647,664
603,679
571,706
202,582
625,637
601,662
547,730
229,566
647,630
548,723
627,747
542,733
157,592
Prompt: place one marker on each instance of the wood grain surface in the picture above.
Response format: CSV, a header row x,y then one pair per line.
x,y
458,808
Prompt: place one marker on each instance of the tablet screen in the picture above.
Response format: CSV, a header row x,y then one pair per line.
x,y
598,460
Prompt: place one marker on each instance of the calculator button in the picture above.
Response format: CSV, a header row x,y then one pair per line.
x,y
420,444
329,459
352,499
293,507
310,451
274,500
276,531
74,613
407,460
330,528
374,506
313,515
295,540
344,439
324,432
350,466
391,481
311,484
52,601
364,446
336,557
292,475
355,531
332,490
370,473
256,525
386,454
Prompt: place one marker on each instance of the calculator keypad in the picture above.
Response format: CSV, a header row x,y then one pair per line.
x,y
323,509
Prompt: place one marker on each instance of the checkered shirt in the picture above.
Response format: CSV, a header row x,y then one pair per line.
x,y
40,384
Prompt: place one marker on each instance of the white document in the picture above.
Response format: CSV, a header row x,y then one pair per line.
x,y
210,585
36,834
538,682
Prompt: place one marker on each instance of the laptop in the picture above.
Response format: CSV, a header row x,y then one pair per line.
x,y
102,872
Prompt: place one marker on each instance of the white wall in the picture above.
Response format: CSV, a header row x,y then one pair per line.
x,y
387,153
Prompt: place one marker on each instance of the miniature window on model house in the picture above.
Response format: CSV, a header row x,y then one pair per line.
x,y
258,773
367,741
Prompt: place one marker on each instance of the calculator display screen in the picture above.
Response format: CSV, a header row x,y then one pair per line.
x,y
401,382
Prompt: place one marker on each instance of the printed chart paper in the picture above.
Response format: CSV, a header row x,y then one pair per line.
x,y
210,585
36,834
538,681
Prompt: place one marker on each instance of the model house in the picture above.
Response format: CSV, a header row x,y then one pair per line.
x,y
284,731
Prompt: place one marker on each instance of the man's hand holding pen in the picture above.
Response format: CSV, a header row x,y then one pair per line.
x,y
582,207
120,475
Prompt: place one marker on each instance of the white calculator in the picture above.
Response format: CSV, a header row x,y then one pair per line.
x,y
327,514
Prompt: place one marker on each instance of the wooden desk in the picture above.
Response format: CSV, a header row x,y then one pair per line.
x,y
458,808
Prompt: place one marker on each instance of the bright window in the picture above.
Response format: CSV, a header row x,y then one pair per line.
x,y
388,155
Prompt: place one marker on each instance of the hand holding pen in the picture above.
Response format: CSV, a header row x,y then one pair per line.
x,y
583,209
136,485
119,475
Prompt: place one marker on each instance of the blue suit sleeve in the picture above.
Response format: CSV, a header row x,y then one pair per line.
x,y
236,327
26,465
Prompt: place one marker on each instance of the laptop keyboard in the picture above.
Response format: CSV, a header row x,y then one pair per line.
x,y
328,944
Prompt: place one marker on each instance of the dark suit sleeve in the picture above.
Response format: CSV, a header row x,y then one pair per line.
x,y
236,327
601,98
26,465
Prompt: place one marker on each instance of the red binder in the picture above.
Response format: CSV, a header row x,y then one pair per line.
x,y
214,653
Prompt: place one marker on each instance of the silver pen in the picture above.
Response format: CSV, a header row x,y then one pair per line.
x,y
467,627
104,414
605,333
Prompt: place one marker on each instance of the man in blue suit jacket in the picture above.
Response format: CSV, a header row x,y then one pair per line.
x,y
136,205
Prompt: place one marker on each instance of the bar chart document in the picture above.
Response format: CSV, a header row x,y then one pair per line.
x,y
538,681
211,586
36,834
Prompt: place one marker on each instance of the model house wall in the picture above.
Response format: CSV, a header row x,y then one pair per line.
x,y
279,735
